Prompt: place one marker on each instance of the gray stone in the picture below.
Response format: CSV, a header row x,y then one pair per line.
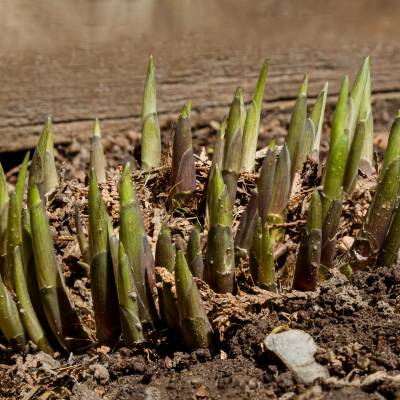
x,y
296,350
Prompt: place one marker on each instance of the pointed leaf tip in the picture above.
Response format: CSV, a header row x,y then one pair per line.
x,y
150,66
182,271
96,129
260,86
238,92
304,86
341,111
186,110
367,62
126,171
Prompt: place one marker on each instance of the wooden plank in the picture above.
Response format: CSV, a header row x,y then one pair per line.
x,y
77,83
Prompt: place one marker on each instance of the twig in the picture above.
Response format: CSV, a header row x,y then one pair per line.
x,y
310,190
289,224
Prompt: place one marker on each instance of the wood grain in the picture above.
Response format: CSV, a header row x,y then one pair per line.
x,y
76,82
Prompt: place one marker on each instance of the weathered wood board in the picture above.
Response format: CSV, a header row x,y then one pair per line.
x,y
75,81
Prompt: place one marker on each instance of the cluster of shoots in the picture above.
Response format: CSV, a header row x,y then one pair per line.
x,y
135,294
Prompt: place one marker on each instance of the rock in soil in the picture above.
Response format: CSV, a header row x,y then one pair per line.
x,y
296,349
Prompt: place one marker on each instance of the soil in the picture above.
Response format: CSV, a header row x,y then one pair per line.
x,y
355,324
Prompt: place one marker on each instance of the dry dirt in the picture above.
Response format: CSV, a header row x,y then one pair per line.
x,y
355,324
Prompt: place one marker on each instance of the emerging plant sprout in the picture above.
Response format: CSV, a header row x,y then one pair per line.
x,y
262,263
232,149
373,233
317,117
104,292
252,123
97,158
280,194
309,256
338,152
193,254
60,313
134,295
245,232
297,126
151,141
11,324
50,175
134,240
219,269
195,326
132,330
165,250
183,169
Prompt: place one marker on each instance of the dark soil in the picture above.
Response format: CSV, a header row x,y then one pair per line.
x,y
355,324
